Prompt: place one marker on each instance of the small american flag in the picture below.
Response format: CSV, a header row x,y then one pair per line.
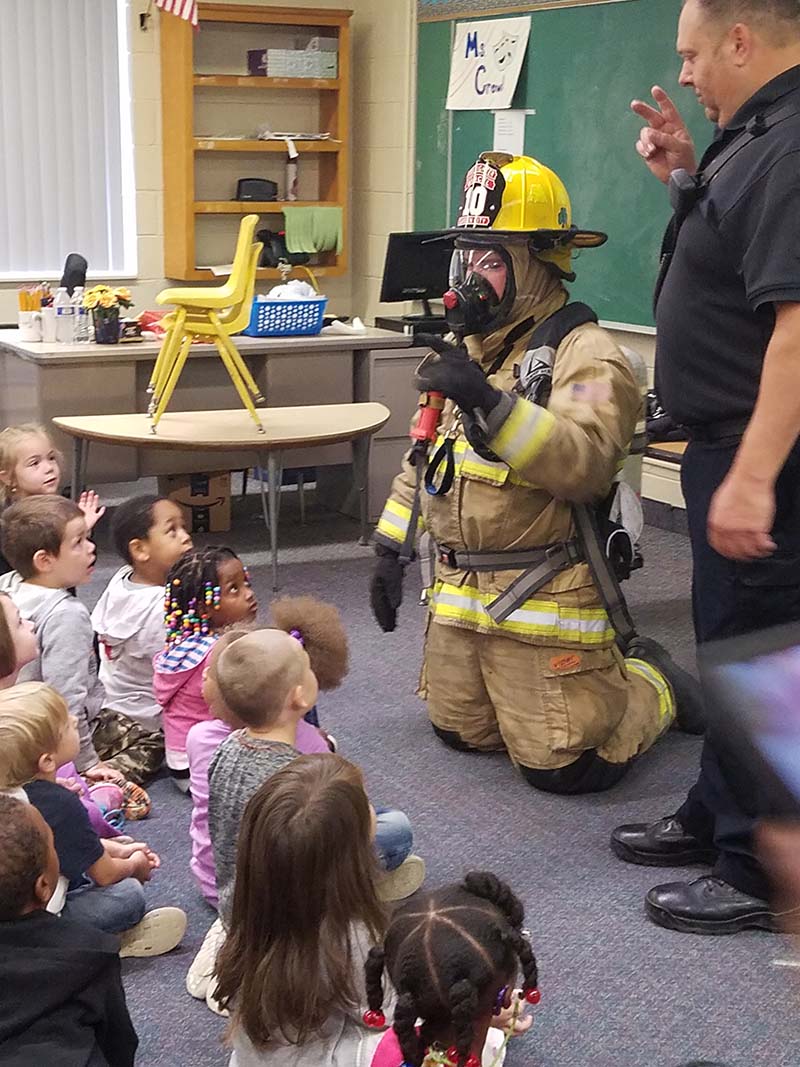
x,y
185,9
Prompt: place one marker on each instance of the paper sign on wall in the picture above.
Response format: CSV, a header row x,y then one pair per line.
x,y
485,65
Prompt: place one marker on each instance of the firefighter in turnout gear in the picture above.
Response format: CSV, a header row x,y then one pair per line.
x,y
540,411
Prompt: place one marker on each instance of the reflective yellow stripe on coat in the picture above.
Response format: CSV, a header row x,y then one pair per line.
x,y
524,433
394,521
666,702
535,618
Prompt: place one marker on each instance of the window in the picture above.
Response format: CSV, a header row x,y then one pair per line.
x,y
66,143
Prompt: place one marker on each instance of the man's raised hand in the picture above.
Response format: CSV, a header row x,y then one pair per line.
x,y
665,143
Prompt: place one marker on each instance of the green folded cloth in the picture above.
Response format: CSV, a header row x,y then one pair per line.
x,y
313,229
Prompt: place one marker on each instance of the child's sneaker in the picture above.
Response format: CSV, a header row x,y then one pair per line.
x,y
403,880
213,1004
160,931
199,975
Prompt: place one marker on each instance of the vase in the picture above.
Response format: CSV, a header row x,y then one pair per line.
x,y
106,325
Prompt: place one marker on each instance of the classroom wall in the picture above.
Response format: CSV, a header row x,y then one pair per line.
x,y
383,41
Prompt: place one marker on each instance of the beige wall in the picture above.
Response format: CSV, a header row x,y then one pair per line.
x,y
384,40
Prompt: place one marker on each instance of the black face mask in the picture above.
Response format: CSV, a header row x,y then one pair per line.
x,y
470,306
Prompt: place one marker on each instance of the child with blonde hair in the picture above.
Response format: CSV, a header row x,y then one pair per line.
x,y
30,465
105,878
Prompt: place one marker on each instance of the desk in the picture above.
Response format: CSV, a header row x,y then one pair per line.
x,y
223,431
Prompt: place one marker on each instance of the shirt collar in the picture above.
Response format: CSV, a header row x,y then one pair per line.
x,y
765,97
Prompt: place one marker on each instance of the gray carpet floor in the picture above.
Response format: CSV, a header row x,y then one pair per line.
x,y
616,990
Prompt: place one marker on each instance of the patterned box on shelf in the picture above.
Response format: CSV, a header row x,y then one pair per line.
x,y
286,318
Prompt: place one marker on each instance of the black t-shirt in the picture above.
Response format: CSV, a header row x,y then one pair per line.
x,y
737,255
77,845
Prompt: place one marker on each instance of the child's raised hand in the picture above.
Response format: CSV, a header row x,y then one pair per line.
x,y
515,1015
93,511
101,772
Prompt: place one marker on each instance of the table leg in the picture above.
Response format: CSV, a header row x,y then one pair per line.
x,y
275,474
80,452
264,507
360,446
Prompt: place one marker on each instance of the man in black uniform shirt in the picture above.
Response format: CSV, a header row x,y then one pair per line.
x,y
728,368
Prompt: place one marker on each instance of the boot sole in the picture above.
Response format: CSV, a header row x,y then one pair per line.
x,y
710,927
689,858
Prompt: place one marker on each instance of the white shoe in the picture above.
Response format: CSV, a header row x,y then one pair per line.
x,y
403,880
213,1004
160,931
199,975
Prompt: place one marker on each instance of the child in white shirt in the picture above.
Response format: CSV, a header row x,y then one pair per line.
x,y
149,533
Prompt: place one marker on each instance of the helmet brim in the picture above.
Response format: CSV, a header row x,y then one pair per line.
x,y
544,239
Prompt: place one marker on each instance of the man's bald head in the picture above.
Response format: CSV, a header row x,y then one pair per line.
x,y
256,674
775,20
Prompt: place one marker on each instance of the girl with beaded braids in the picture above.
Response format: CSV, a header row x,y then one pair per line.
x,y
207,591
452,957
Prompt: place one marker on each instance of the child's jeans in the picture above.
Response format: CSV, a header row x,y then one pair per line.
x,y
393,837
113,908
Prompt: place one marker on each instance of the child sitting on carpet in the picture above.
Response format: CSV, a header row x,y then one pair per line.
x,y
61,998
207,590
320,627
149,534
46,540
452,957
30,465
18,647
305,912
105,878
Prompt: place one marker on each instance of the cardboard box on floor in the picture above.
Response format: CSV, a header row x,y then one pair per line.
x,y
204,499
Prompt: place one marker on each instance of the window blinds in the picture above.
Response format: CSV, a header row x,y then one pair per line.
x,y
66,155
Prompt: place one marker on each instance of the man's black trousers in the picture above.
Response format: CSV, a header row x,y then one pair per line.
x,y
730,598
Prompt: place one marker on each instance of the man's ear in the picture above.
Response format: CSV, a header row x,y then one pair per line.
x,y
42,561
138,550
742,41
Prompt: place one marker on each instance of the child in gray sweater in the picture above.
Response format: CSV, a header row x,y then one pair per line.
x,y
46,541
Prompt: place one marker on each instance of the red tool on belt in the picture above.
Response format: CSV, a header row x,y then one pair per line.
x,y
427,427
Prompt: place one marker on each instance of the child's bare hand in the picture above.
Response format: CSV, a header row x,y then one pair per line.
x,y
123,850
101,772
506,1016
93,511
142,868
71,784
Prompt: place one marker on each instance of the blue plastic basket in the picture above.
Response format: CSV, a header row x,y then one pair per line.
x,y
286,318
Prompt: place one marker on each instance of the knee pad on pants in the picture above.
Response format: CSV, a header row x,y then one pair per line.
x,y
452,739
589,773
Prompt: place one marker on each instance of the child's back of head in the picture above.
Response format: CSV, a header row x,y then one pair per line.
x,y
452,956
260,672
305,875
28,860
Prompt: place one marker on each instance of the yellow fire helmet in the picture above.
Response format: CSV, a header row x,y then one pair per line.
x,y
510,197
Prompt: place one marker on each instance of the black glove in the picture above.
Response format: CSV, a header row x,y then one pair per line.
x,y
454,374
386,587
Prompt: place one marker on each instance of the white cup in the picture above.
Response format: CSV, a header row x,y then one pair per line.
x,y
48,325
30,325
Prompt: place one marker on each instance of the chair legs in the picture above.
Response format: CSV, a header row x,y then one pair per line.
x,y
238,384
166,356
172,380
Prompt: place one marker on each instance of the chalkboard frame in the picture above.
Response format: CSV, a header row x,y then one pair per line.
x,y
444,10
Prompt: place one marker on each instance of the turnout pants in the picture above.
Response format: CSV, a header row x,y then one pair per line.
x,y
127,746
572,720
730,598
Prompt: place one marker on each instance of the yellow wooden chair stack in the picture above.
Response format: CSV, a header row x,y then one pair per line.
x,y
215,313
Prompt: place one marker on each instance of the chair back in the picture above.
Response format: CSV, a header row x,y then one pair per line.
x,y
239,318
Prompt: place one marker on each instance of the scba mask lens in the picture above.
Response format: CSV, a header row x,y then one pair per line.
x,y
479,279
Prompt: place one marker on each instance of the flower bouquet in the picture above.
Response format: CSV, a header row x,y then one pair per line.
x,y
104,303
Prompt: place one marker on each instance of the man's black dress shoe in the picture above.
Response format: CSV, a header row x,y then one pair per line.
x,y
707,906
660,844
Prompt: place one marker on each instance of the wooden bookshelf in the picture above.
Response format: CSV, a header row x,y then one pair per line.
x,y
205,92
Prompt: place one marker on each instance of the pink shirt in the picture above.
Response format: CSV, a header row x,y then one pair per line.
x,y
178,687
202,741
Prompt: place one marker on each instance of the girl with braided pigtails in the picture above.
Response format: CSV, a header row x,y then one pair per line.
x,y
452,957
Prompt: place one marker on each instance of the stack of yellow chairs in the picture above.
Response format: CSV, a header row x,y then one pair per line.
x,y
211,313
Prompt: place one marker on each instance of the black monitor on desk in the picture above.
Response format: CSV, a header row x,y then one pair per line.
x,y
417,267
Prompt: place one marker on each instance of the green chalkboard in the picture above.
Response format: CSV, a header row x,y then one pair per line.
x,y
584,66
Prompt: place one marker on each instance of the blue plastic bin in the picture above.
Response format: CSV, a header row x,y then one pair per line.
x,y
286,318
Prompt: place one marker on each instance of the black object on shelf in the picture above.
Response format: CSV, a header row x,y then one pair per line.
x,y
413,324
261,189
75,267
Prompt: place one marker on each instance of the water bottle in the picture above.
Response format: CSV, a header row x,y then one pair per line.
x,y
80,317
64,315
